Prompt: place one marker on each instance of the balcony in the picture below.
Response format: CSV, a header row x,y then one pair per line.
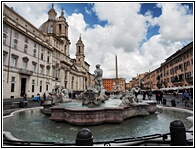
x,y
189,79
25,72
178,82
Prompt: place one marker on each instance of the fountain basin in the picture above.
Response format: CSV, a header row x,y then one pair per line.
x,y
32,125
94,116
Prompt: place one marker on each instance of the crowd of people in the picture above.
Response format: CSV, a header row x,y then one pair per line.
x,y
160,98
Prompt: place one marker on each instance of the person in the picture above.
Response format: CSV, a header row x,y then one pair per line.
x,y
186,97
183,95
38,95
149,95
44,96
144,95
156,96
25,97
173,103
174,93
159,97
44,99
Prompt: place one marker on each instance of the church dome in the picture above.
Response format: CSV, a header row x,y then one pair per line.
x,y
49,25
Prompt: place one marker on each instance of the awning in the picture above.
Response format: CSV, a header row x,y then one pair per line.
x,y
176,88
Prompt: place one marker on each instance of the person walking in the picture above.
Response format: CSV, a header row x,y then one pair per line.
x,y
186,97
160,95
144,95
25,97
149,95
44,96
173,103
156,96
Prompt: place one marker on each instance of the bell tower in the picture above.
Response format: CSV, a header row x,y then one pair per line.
x,y
62,26
80,52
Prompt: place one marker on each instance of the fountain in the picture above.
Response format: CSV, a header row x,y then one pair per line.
x,y
93,98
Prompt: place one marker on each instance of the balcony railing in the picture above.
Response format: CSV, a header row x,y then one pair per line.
x,y
180,81
189,79
25,72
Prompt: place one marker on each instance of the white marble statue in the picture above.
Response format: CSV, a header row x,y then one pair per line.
x,y
128,99
98,78
65,95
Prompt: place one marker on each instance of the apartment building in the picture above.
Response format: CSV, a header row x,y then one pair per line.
x,y
176,71
114,84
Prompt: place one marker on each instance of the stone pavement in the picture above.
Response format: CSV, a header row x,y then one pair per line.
x,y
8,108
179,102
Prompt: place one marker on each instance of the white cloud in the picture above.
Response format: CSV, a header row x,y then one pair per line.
x,y
122,35
175,22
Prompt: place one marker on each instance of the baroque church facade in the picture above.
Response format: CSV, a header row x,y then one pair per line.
x,y
37,60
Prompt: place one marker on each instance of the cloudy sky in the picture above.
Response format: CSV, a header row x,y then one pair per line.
x,y
142,35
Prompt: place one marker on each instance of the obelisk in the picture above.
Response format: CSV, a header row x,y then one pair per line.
x,y
116,68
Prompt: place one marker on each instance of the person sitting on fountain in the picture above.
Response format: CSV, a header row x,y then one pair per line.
x,y
98,77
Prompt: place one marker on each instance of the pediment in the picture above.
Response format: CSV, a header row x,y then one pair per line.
x,y
74,67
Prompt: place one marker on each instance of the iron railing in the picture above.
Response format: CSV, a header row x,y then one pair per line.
x,y
148,140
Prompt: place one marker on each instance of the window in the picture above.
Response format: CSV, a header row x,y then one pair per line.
x,y
25,49
35,45
57,73
57,54
34,67
12,87
13,79
65,48
40,86
42,56
4,58
33,83
41,68
32,88
48,71
15,44
16,35
79,49
51,29
24,65
4,28
47,87
48,58
4,39
26,40
34,53
14,62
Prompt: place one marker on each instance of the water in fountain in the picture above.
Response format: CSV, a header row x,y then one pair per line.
x,y
34,126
